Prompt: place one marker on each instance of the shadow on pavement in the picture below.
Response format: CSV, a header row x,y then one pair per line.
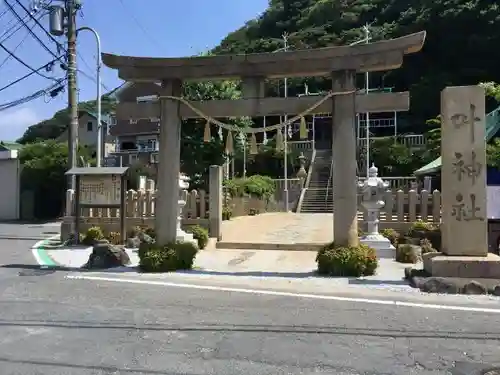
x,y
378,282
292,275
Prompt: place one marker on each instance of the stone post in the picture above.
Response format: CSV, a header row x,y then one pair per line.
x,y
345,227
215,202
463,175
169,165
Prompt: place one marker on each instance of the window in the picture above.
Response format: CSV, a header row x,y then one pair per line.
x,y
90,125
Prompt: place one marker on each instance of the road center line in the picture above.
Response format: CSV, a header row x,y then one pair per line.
x,y
288,294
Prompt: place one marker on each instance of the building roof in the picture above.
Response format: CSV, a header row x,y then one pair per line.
x,y
116,92
492,123
85,171
104,117
10,146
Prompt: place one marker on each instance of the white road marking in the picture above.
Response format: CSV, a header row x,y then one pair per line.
x,y
34,250
289,294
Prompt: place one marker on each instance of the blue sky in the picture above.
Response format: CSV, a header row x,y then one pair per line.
x,y
161,28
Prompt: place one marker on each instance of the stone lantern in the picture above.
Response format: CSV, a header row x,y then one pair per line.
x,y
372,190
183,186
302,173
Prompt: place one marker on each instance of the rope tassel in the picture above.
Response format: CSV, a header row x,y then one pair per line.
x,y
253,145
303,128
229,143
206,135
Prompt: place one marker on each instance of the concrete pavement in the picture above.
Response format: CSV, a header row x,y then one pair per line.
x,y
28,231
50,325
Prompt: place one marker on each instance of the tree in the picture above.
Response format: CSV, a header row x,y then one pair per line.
x,y
55,126
459,48
197,155
44,166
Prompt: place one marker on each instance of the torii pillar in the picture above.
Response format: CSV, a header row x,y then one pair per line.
x,y
169,160
345,204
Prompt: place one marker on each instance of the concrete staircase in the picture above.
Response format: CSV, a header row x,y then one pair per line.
x,y
316,199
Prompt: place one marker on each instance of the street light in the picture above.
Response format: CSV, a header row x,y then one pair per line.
x,y
98,99
286,133
366,40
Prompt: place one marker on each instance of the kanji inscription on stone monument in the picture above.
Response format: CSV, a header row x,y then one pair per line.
x,y
460,120
463,169
463,176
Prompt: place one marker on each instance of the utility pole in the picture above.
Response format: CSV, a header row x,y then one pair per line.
x,y
72,90
61,18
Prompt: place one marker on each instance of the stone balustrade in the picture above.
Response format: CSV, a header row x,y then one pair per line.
x,y
403,208
400,210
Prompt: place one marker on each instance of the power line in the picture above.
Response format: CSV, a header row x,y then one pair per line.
x,y
26,25
139,25
88,76
37,21
11,30
23,63
52,90
49,64
14,50
18,45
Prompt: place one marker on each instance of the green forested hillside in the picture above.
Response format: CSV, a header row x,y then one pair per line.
x,y
462,46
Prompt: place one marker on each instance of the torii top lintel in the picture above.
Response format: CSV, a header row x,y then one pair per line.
x,y
377,56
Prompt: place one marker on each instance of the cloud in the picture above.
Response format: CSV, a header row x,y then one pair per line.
x,y
14,122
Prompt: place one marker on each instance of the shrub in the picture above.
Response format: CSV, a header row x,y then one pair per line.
x,y
420,226
256,186
150,232
92,235
114,238
426,246
134,232
226,213
352,261
406,253
171,257
392,235
200,234
253,212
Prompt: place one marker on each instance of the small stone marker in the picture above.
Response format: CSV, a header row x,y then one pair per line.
x,y
463,175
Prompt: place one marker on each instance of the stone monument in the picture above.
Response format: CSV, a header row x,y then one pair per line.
x,y
464,227
183,186
372,190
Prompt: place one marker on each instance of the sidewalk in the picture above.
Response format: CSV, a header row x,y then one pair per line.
x,y
255,264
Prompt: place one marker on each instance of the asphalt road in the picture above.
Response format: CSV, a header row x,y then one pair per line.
x,y
52,325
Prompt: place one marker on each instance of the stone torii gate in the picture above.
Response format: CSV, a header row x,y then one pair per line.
x,y
340,63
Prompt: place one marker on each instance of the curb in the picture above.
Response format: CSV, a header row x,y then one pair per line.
x,y
269,246
41,255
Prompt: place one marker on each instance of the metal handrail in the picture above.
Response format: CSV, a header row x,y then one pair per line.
x,y
307,182
330,176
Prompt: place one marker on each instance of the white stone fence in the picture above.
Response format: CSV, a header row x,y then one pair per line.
x,y
141,207
401,209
